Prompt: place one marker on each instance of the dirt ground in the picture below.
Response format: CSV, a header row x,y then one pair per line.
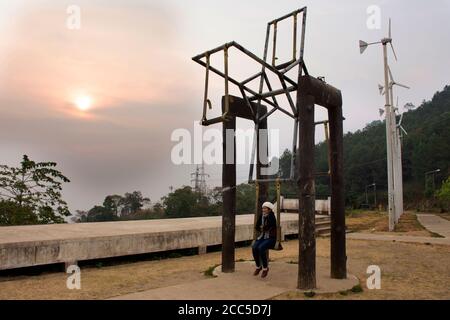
x,y
444,215
408,271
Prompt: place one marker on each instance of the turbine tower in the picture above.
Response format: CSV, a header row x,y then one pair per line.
x,y
397,148
393,145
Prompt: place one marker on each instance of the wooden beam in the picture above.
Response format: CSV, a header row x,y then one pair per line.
x,y
338,251
240,109
306,194
228,193
325,95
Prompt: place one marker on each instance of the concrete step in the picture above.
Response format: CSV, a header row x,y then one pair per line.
x,y
324,235
322,229
323,226
323,223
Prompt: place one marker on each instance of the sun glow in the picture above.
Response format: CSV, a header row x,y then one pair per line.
x,y
83,103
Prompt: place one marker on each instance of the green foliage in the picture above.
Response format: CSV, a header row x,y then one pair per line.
x,y
31,193
12,214
245,198
116,207
425,148
443,194
100,213
132,202
357,289
180,202
309,294
210,271
185,202
112,203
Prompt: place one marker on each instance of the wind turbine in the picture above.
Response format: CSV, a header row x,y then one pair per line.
x,y
397,149
393,210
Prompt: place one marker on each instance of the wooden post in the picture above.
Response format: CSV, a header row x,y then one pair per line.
x,y
229,194
338,252
306,194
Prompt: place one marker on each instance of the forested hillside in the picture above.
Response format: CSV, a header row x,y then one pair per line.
x,y
425,148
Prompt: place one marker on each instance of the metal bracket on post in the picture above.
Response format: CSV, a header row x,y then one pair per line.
x,y
278,243
294,40
206,101
274,49
255,219
327,139
227,95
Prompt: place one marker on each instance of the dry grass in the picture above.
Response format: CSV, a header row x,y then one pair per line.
x,y
409,271
444,215
366,221
373,221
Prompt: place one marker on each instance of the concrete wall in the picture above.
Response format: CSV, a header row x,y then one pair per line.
x,y
39,245
322,206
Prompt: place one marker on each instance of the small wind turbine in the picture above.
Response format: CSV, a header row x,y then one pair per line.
x,y
363,45
394,83
390,125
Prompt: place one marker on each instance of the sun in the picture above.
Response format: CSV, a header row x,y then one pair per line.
x,y
83,103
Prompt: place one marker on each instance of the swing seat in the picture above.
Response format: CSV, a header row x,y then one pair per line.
x,y
278,247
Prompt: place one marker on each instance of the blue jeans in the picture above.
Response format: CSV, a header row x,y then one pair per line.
x,y
259,250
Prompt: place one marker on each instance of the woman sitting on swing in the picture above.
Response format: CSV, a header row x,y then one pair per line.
x,y
267,225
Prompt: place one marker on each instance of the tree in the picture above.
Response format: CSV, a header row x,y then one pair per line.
x,y
285,164
180,203
245,198
133,202
11,214
443,194
99,214
35,186
79,216
112,203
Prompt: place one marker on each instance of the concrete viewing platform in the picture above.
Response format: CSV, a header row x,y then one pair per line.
x,y
25,246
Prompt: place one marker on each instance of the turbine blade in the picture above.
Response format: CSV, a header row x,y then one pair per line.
x,y
401,85
381,89
403,130
401,119
362,46
381,111
390,37
393,51
390,74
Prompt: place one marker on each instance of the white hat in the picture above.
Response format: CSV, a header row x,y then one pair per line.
x,y
268,205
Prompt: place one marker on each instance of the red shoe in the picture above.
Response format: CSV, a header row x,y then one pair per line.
x,y
257,271
264,273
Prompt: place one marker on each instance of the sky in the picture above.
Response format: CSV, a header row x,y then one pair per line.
x,y
129,68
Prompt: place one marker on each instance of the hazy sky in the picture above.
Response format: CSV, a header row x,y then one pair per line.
x,y
133,59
